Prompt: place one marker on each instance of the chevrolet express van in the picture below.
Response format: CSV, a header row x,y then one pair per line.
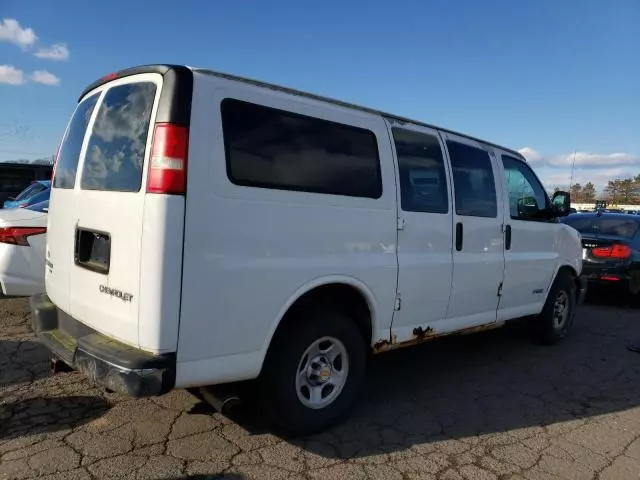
x,y
206,229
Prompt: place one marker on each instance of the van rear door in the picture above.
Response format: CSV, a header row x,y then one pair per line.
x,y
98,234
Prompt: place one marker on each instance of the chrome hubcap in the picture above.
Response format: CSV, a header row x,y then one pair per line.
x,y
561,310
322,373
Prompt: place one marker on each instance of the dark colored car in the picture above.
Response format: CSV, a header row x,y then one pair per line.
x,y
611,248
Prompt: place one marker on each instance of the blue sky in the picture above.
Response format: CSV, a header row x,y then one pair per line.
x,y
545,76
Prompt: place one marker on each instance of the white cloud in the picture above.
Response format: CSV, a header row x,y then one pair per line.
x,y
57,52
11,75
598,168
44,77
598,177
582,159
595,160
530,154
12,32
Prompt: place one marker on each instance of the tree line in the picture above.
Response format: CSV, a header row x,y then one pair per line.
x,y
622,191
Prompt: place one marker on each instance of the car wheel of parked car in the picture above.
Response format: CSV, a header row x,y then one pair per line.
x,y
313,372
558,314
633,291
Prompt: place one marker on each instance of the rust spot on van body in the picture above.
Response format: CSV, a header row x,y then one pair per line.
x,y
421,335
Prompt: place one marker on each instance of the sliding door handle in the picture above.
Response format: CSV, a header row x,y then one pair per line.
x,y
459,233
507,237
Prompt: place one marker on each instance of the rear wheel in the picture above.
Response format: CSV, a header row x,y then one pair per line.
x,y
634,289
313,372
558,314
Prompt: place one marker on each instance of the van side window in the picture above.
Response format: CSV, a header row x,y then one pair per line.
x,y
67,161
527,197
423,181
474,185
271,148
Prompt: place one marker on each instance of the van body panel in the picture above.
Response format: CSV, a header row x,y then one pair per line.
x,y
161,272
61,220
478,259
256,247
532,258
425,241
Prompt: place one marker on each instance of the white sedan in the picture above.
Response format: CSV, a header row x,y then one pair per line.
x,y
22,249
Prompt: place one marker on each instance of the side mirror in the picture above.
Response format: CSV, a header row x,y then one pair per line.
x,y
561,203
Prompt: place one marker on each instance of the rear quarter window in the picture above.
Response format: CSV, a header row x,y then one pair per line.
x,y
116,148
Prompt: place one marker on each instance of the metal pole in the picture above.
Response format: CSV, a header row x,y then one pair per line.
x,y
573,166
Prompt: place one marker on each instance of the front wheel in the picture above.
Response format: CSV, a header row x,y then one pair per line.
x,y
313,372
558,314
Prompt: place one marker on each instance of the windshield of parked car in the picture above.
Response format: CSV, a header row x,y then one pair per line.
x,y
602,225
39,197
30,190
39,207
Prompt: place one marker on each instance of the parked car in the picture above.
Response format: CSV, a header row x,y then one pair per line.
x,y
224,230
15,177
37,192
611,249
22,249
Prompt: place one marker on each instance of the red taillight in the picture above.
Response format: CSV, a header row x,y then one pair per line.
x,y
616,250
18,235
168,163
609,278
109,76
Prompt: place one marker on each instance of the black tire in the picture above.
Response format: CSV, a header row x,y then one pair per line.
x,y
633,290
544,329
277,382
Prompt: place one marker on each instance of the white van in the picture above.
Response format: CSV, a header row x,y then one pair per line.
x,y
206,229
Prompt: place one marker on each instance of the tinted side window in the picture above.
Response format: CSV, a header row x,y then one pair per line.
x,y
474,185
115,154
423,181
68,156
527,197
271,148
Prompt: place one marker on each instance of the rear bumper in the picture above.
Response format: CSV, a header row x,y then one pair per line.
x,y
117,366
619,275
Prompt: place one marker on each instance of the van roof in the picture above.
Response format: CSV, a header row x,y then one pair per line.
x,y
164,68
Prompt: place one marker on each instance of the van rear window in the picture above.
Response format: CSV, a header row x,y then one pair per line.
x,y
67,161
116,149
271,148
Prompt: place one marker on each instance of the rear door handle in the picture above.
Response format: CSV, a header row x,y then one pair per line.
x,y
507,237
459,233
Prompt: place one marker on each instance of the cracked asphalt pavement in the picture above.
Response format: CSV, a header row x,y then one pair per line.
x,y
485,406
